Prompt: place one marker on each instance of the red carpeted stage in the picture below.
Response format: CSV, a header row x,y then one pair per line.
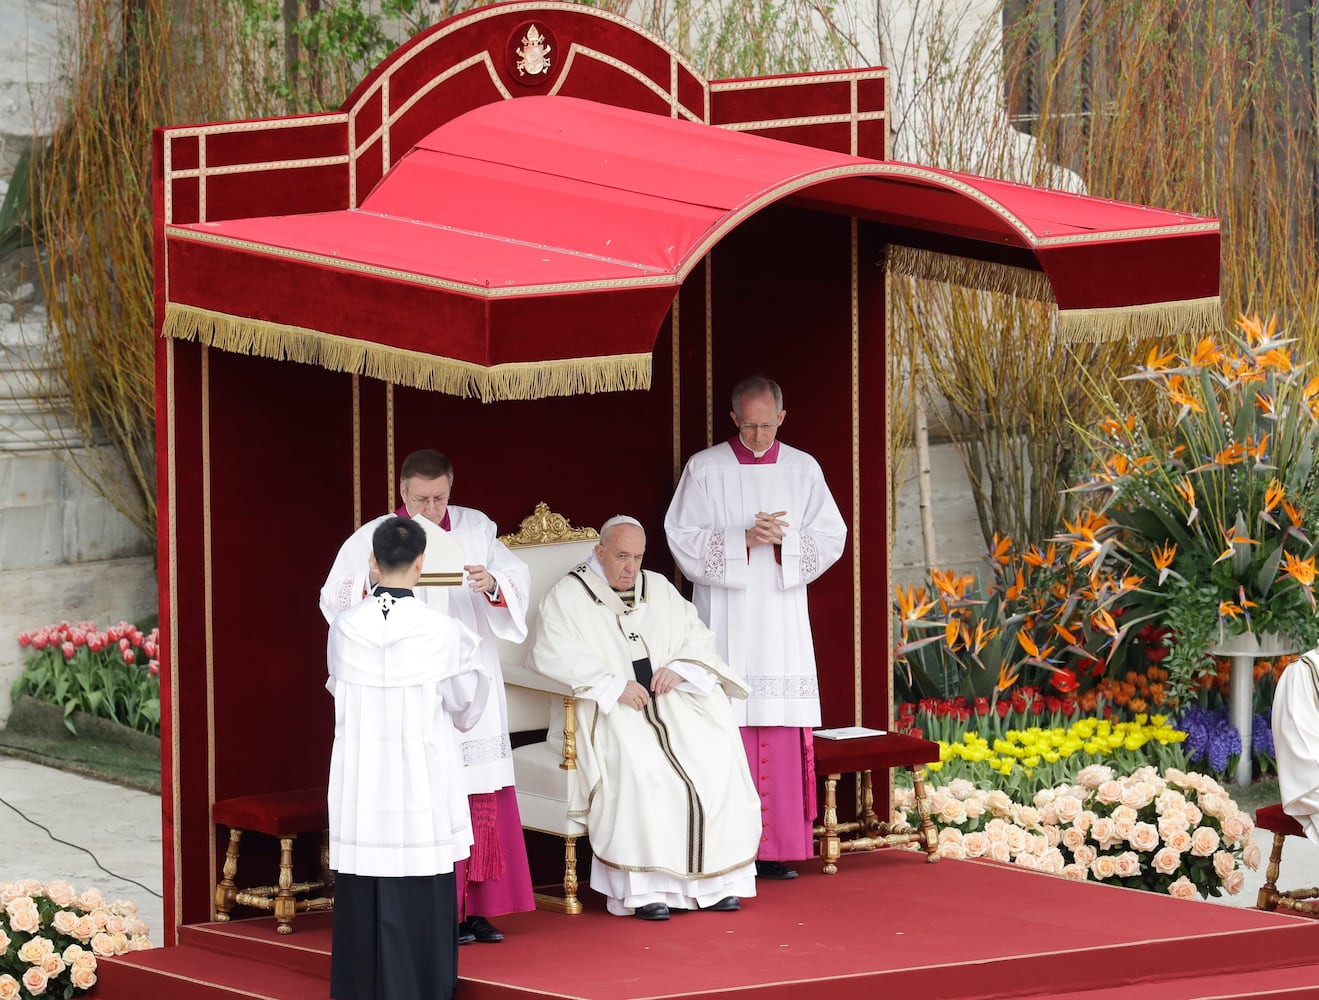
x,y
888,924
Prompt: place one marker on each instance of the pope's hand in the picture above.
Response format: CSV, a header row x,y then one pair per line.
x,y
665,680
634,696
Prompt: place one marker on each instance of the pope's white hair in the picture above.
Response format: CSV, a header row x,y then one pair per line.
x,y
615,521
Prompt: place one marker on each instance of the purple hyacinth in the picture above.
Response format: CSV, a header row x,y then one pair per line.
x,y
1210,737
1262,735
1224,743
1194,723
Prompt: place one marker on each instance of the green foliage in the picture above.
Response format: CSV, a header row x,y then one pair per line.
x,y
17,220
111,674
313,59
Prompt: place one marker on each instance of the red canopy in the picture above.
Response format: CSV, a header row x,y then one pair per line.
x,y
532,247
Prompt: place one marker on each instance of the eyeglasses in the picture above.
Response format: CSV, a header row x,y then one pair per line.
x,y
751,428
424,502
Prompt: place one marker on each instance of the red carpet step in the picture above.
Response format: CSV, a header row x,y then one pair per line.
x,y
888,924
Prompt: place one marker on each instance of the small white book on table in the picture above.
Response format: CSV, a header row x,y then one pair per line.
x,y
848,733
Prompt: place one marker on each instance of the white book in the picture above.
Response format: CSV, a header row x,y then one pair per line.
x,y
848,733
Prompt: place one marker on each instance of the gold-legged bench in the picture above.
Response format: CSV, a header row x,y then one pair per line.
x,y
283,815
1282,826
834,758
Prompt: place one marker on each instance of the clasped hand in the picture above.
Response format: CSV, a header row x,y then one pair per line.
x,y
662,681
768,529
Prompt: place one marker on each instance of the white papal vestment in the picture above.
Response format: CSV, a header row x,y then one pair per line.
x,y
1296,741
487,753
398,805
664,793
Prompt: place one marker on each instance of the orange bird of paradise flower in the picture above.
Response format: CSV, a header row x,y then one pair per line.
x,y
1005,679
1230,536
1302,571
1207,353
1163,558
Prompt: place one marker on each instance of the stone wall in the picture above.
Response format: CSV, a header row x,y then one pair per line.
x,y
65,553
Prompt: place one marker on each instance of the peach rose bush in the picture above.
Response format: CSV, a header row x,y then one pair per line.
x,y
1174,832
51,938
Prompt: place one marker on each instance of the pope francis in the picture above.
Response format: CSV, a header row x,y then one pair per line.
x,y
662,783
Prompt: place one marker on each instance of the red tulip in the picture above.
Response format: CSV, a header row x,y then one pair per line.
x,y
982,706
1064,681
68,650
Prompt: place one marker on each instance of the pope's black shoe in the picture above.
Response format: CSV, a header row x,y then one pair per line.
x,y
726,905
479,929
651,911
775,871
464,935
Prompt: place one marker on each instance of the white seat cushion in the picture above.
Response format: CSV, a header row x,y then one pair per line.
x,y
542,788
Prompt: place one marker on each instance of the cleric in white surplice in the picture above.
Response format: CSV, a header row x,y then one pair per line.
x,y
403,677
662,784
1296,741
751,523
493,604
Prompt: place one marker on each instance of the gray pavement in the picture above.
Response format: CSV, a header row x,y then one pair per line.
x,y
121,827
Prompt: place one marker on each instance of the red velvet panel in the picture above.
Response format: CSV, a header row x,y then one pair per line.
x,y
301,138
874,469
1119,273
185,152
804,341
833,136
592,77
872,139
414,317
277,192
826,94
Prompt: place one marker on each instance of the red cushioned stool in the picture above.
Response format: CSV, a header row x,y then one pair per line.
x,y
283,815
1282,826
833,758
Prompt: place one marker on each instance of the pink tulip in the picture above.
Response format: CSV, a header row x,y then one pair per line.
x,y
24,639
79,637
40,640
68,650
129,656
124,644
154,667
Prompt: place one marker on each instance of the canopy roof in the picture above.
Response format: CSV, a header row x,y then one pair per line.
x,y
533,246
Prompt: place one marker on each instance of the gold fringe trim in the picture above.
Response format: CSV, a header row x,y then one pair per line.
x,y
1145,322
525,380
984,275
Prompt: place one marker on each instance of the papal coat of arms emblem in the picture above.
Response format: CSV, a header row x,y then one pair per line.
x,y
534,53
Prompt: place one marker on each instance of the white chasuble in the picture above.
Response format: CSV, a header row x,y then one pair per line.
x,y
1296,741
665,791
755,600
486,751
402,683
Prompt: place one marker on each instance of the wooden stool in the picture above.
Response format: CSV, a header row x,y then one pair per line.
x,y
1282,826
283,815
833,758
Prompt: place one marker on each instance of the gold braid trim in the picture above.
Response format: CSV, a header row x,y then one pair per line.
x,y
1155,319
982,274
522,380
